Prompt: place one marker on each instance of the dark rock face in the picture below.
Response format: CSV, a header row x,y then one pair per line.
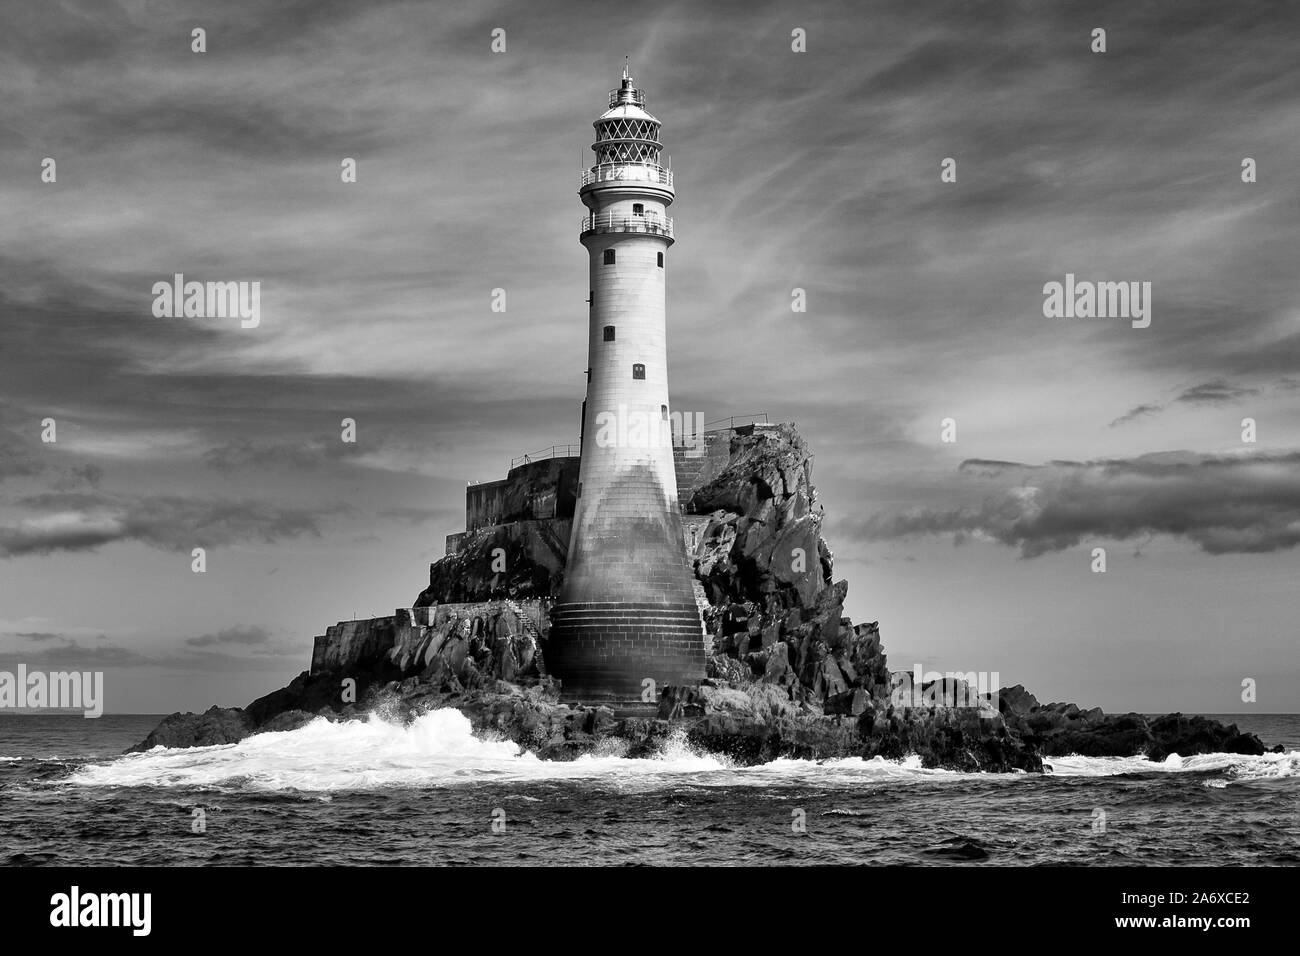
x,y
1061,729
1174,733
757,722
501,639
788,674
762,547
955,738
532,554
216,725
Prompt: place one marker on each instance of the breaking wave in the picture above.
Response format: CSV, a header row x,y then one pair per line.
x,y
1239,766
435,749
438,749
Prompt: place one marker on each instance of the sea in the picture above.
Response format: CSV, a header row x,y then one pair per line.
x,y
374,792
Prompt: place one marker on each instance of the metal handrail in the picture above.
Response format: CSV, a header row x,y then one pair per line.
x,y
747,420
606,222
633,96
628,172
552,452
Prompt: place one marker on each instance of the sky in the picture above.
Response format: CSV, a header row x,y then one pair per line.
x,y
816,170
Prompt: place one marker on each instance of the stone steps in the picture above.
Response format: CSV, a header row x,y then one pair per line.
x,y
606,650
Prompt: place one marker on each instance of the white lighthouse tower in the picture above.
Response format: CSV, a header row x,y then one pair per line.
x,y
627,611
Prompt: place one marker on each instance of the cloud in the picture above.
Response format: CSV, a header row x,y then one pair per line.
x,y
255,639
64,651
90,475
21,457
16,460
242,453
213,651
420,515
1135,413
1224,504
1215,393
85,522
232,635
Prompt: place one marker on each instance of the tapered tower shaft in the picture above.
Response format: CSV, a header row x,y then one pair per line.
x,y
627,613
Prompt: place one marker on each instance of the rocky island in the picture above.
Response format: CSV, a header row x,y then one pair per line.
x,y
788,675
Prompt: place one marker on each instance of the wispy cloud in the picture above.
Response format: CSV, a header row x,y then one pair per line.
x,y
1133,414
1217,392
1240,504
232,635
86,522
414,515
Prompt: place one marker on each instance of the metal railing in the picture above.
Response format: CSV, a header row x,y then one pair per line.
x,y
629,95
628,173
743,419
607,222
555,451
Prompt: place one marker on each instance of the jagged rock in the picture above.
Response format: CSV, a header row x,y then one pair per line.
x,y
777,669
851,703
289,720
789,675
724,667
677,701
216,725
1122,735
957,738
1177,734
535,552
750,742
763,543
1016,700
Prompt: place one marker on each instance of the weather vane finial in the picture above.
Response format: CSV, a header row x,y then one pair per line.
x,y
625,66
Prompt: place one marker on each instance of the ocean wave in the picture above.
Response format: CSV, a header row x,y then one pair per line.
x,y
1239,766
438,749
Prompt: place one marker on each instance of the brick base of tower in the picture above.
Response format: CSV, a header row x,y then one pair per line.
x,y
605,651
627,610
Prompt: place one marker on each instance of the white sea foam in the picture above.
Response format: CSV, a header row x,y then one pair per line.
x,y
438,749
1240,766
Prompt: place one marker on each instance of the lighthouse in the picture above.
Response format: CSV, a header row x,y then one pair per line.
x,y
626,621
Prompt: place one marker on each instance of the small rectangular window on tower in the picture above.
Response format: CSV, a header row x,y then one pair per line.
x,y
609,333
609,257
661,260
638,371
638,209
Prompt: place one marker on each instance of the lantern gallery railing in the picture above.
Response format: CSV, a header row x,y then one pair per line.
x,y
626,95
628,172
608,222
